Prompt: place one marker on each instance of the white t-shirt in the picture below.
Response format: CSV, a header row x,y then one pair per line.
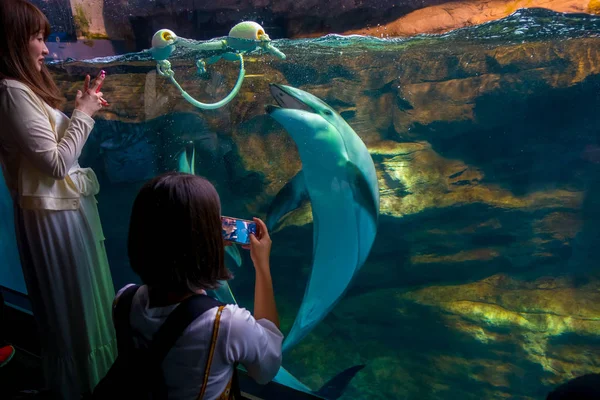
x,y
254,344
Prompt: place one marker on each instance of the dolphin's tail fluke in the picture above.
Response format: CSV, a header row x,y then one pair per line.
x,y
337,385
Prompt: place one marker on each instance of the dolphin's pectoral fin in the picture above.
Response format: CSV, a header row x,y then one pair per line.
x,y
289,198
363,194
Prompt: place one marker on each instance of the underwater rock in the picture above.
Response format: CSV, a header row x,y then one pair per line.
x,y
414,178
411,351
548,318
496,338
546,305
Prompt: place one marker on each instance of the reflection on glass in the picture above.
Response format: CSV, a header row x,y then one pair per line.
x,y
432,200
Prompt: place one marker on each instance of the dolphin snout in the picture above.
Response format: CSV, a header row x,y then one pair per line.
x,y
286,97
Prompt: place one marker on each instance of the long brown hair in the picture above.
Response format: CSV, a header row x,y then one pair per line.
x,y
175,241
19,21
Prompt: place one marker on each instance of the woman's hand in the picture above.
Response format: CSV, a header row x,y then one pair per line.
x,y
86,86
260,246
90,100
264,298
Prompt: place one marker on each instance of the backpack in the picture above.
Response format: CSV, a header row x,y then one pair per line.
x,y
137,373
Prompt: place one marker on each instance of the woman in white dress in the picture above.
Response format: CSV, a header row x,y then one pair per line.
x,y
60,238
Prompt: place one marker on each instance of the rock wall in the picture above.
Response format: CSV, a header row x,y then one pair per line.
x,y
483,281
137,20
459,14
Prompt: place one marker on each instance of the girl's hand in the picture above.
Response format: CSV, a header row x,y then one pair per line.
x,y
86,86
90,100
260,246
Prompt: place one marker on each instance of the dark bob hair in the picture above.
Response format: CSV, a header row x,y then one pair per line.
x,y
175,241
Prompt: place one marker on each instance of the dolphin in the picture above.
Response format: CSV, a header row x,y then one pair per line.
x,y
339,178
335,387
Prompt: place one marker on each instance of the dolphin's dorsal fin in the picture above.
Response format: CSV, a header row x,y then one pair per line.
x,y
289,198
187,159
363,194
183,164
193,160
234,253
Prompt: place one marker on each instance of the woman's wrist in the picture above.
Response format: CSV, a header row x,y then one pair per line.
x,y
263,269
84,110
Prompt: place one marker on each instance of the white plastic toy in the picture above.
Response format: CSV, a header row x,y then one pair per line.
x,y
243,38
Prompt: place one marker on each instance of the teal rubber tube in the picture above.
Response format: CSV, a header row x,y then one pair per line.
x,y
226,100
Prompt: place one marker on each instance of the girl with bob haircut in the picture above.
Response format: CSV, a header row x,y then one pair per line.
x,y
176,246
59,235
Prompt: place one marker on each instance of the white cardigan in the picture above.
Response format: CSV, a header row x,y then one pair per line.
x,y
39,149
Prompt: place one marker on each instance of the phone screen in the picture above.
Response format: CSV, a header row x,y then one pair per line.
x,y
237,230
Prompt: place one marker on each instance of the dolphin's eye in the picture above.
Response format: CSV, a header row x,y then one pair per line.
x,y
327,112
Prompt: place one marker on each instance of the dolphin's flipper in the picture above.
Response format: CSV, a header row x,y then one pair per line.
x,y
285,378
335,387
187,159
234,253
363,193
289,198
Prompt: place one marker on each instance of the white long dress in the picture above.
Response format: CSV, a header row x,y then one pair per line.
x,y
70,286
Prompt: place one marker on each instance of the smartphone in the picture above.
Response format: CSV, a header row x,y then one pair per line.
x,y
237,230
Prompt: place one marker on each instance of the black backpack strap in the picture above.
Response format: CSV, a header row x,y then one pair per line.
x,y
179,319
121,312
